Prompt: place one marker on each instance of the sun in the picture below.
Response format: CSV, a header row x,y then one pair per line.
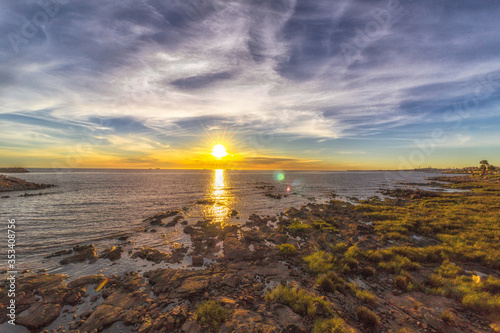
x,y
219,151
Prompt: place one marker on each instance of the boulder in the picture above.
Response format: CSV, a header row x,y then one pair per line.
x,y
86,253
39,315
197,261
114,253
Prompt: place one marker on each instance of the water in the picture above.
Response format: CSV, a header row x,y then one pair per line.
x,y
96,206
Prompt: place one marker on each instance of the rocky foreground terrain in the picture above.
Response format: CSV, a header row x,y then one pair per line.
x,y
419,262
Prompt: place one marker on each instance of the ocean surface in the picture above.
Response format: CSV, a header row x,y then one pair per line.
x,y
97,206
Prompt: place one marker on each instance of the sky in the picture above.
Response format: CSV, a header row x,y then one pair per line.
x,y
282,84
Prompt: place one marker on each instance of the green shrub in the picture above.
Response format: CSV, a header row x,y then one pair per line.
x,y
367,271
287,249
330,282
319,262
339,248
482,301
448,270
301,301
447,316
366,297
398,264
211,315
298,227
367,317
403,283
333,325
322,225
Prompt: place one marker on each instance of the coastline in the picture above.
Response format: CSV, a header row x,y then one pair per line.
x,y
11,184
376,265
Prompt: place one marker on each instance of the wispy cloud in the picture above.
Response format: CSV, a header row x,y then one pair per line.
x,y
140,75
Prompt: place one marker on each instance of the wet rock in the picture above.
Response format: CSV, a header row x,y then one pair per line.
x,y
151,254
174,221
111,310
59,253
197,261
39,315
86,253
158,218
113,253
86,280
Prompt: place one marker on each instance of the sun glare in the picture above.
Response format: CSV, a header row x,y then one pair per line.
x,y
219,151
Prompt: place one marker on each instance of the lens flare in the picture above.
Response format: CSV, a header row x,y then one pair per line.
x,y
279,176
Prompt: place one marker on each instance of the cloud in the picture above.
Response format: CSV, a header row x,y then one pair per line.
x,y
172,71
201,81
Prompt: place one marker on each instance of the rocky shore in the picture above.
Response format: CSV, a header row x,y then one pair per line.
x,y
380,265
13,170
9,184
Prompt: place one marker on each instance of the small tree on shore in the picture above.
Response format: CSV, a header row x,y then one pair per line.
x,y
483,166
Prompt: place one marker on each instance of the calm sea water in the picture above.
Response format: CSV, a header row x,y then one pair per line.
x,y
95,206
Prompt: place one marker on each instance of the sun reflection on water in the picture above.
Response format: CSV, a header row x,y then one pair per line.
x,y
221,201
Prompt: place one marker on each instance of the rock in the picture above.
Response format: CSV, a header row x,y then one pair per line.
x,y
39,315
286,317
59,253
191,327
197,261
151,254
246,321
113,253
84,254
86,280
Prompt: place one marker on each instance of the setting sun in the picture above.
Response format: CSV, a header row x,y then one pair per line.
x,y
219,151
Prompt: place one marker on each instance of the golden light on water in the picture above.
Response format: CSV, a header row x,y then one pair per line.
x,y
219,151
221,202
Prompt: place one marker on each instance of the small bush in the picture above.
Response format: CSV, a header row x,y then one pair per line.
x,y
211,315
448,270
319,262
298,227
298,299
287,249
367,271
482,301
330,282
367,317
404,282
366,297
399,263
447,316
334,325
339,248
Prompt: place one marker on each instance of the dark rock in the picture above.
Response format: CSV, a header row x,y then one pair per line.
x,y
59,253
113,253
85,253
39,315
197,261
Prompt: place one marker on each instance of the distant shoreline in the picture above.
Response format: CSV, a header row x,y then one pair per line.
x,y
11,184
13,170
